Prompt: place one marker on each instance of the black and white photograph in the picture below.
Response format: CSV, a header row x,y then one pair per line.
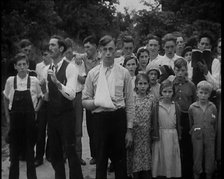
x,y
111,89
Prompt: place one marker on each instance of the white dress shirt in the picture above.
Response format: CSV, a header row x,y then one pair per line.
x,y
81,72
168,61
215,77
41,70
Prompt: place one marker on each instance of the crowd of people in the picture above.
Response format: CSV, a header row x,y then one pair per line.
x,y
150,114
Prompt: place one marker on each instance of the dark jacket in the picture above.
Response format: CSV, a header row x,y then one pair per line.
x,y
155,121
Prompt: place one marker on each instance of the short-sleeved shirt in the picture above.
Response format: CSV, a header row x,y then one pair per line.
x,y
124,97
35,89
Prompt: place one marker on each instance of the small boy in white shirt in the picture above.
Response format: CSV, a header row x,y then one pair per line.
x,y
22,99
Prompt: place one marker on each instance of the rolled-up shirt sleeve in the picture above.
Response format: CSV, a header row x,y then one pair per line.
x,y
69,90
88,91
129,100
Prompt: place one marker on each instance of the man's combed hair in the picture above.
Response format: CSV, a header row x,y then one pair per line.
x,y
24,43
61,41
128,38
106,40
169,37
91,39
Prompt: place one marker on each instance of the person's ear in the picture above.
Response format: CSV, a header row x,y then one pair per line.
x,y
61,49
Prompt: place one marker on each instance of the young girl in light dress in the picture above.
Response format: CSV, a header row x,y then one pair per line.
x,y
139,156
166,134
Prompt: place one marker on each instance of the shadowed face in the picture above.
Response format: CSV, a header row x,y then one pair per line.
x,y
108,53
128,48
204,44
169,48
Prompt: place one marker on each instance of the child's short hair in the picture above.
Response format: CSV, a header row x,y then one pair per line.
x,y
180,62
20,56
166,83
204,85
138,77
141,50
130,58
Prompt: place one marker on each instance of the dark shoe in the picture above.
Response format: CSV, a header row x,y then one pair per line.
x,y
111,168
82,162
92,161
38,163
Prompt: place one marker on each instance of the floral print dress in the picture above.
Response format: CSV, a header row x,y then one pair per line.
x,y
139,156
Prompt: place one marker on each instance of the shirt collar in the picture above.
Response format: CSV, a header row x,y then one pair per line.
x,y
59,63
196,104
176,81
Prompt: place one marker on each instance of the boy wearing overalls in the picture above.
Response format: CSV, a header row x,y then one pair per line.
x,y
21,96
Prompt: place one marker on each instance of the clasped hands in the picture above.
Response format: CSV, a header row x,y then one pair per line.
x,y
54,78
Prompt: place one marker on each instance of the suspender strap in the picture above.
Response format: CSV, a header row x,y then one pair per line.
x,y
28,82
15,83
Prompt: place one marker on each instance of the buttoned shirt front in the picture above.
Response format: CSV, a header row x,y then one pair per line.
x,y
185,93
124,97
35,89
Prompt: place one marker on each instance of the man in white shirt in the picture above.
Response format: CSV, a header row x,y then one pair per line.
x,y
153,47
77,102
62,84
127,49
169,46
41,71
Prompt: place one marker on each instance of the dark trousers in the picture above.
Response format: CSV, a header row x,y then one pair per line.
x,y
91,125
77,103
186,147
41,137
111,128
22,136
61,131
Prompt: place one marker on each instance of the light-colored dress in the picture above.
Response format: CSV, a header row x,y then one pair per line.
x,y
139,156
166,152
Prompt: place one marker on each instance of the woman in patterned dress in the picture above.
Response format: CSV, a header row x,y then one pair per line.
x,y
139,156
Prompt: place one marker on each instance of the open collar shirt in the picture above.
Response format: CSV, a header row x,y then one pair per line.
x,y
124,97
